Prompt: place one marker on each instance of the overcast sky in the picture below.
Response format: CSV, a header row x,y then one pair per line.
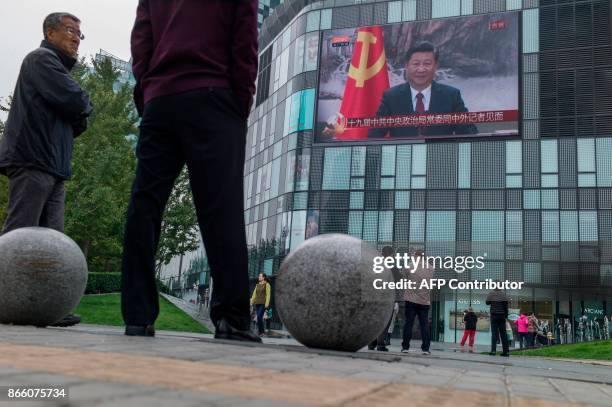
x,y
106,24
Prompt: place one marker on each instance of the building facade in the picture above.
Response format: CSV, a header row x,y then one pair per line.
x,y
539,204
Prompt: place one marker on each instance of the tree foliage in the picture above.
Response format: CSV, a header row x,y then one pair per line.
x,y
179,233
103,168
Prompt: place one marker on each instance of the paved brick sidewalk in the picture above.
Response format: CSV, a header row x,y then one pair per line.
x,y
103,367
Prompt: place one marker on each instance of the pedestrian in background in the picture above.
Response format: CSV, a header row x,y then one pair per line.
x,y
470,319
522,324
498,302
380,341
261,301
532,330
417,304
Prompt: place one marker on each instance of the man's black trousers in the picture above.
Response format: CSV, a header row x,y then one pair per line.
x,y
206,130
498,330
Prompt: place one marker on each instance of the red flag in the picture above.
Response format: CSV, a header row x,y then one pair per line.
x,y
367,80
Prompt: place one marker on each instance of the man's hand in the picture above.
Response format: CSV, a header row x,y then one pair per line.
x,y
79,127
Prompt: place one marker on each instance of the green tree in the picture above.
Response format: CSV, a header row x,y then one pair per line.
x,y
3,179
179,233
103,168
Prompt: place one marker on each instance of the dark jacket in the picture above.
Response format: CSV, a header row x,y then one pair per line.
x,y
48,111
498,302
182,45
398,101
470,320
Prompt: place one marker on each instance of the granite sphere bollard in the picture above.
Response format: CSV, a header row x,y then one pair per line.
x,y
43,275
325,294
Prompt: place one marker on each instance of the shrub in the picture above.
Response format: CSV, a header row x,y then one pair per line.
x,y
103,283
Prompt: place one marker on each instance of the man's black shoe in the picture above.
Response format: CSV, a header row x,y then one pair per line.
x,y
226,331
68,320
506,355
382,349
371,347
492,353
140,330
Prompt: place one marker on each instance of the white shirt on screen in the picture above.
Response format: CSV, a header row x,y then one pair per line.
x,y
426,97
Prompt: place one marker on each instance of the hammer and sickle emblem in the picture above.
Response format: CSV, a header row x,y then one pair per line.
x,y
363,72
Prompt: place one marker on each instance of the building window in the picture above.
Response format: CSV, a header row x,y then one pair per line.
x,y
586,163
402,199
531,30
604,162
550,226
403,166
514,4
417,226
326,19
549,164
464,165
387,170
419,166
394,12
337,167
355,223
385,226
569,226
409,10
531,199
514,226
467,7
441,226
356,200
445,8
370,226
514,164
312,21
588,226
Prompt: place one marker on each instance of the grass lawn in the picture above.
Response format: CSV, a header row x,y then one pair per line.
x,y
105,309
600,350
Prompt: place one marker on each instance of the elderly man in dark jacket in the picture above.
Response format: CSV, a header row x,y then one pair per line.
x,y
499,313
48,111
195,64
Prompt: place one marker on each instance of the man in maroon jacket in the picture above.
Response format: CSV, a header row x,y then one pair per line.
x,y
195,64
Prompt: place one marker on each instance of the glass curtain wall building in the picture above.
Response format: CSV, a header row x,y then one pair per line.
x,y
539,204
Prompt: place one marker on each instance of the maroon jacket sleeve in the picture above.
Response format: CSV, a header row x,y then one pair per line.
x,y
142,50
244,53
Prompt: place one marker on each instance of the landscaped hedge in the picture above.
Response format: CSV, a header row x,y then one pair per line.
x,y
102,283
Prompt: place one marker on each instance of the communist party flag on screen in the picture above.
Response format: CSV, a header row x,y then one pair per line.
x,y
367,80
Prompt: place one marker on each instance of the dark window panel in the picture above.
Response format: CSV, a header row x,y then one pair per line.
x,y
442,166
567,199
335,200
441,200
514,199
587,198
488,165
417,199
345,17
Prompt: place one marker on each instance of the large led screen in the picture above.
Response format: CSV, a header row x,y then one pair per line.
x,y
453,77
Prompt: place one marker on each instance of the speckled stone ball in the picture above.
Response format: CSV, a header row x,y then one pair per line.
x,y
43,275
325,294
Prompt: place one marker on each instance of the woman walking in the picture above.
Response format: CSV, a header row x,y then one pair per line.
x,y
532,329
522,324
470,319
261,300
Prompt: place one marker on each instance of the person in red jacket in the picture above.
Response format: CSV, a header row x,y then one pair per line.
x,y
470,320
522,324
195,64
